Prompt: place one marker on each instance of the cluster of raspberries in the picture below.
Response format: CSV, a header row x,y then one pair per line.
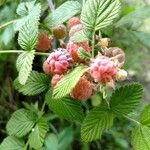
x,y
104,69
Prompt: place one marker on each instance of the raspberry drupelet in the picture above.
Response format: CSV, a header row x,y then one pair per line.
x,y
55,79
75,29
73,21
102,69
83,89
44,43
73,48
58,62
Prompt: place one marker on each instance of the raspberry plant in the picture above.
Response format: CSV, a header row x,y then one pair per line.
x,y
83,66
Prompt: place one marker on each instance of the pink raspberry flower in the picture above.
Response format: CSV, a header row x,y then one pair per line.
x,y
57,63
73,48
103,69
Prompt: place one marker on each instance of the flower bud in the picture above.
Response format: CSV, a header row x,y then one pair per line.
x,y
116,54
104,42
121,75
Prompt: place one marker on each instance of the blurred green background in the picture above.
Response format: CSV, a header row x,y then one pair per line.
x,y
131,32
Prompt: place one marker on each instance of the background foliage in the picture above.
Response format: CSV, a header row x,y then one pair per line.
x,y
131,32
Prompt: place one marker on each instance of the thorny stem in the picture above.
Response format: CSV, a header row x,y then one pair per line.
x,y
8,23
21,51
93,43
131,119
51,5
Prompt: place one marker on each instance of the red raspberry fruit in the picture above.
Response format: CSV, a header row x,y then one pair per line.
x,y
83,90
72,22
73,48
60,31
44,43
58,62
102,69
75,29
55,79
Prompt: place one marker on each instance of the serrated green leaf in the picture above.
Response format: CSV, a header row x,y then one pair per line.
x,y
36,84
7,35
145,116
31,107
68,82
143,37
141,138
12,143
33,15
125,99
101,13
65,138
51,142
24,8
139,15
95,123
28,35
24,65
81,36
98,14
37,136
66,108
83,54
63,13
21,122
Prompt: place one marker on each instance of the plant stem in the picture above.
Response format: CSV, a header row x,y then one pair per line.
x,y
51,5
98,145
107,102
42,109
8,23
53,129
21,51
27,144
86,106
93,42
133,120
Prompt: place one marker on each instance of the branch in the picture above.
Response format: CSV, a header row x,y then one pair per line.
x,y
21,51
51,5
8,23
